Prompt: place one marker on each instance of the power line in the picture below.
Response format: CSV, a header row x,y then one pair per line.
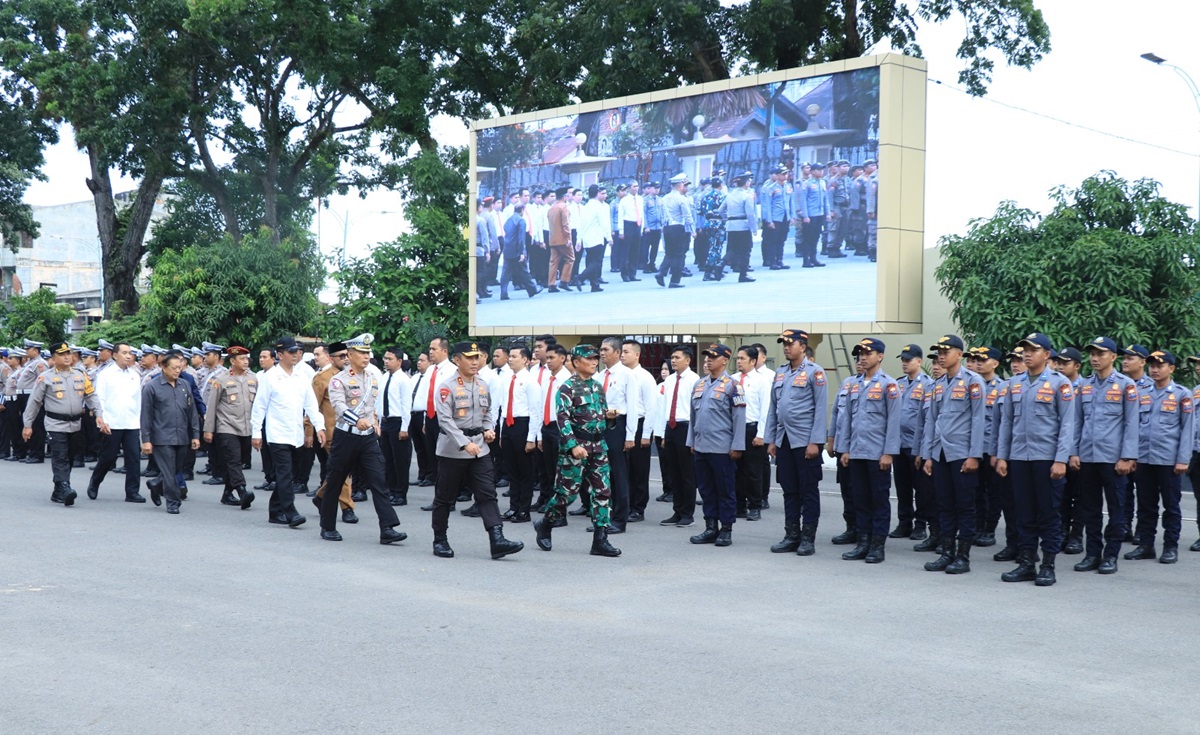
x,y
1066,122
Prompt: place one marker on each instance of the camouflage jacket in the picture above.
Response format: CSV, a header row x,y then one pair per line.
x,y
580,412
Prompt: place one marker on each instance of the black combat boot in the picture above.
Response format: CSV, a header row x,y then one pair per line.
x,y
1088,564
708,535
245,497
790,542
1074,544
1144,551
543,527
847,537
68,495
962,562
1008,553
600,545
918,532
933,542
903,529
502,547
441,547
939,564
808,538
228,499
859,552
1170,554
875,550
56,496
1026,570
725,537
1045,575
93,489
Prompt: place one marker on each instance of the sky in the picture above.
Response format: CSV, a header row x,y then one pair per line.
x,y
1034,131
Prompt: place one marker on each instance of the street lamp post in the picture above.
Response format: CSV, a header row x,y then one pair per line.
x,y
1187,79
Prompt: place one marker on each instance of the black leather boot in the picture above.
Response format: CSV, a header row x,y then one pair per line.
x,y
543,527
1170,554
859,552
918,532
92,489
931,543
903,529
56,496
725,536
875,550
441,547
245,497
68,495
962,561
502,547
1045,575
808,538
1145,551
228,499
845,538
708,535
600,545
939,564
1008,553
790,542
1026,570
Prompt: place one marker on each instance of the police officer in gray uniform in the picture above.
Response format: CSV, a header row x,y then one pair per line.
x,y
1106,436
717,438
836,447
873,425
1166,436
34,366
741,224
914,385
465,420
170,424
64,393
353,393
953,448
1036,440
679,223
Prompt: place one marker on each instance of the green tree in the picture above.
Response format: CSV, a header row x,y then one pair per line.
x,y
1113,258
247,293
35,317
22,138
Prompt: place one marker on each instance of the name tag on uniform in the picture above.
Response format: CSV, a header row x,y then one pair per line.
x,y
1169,404
918,393
1045,394
800,380
958,393
1146,400
1112,395
875,392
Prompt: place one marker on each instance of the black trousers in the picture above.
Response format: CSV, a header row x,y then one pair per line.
x,y
594,269
416,434
362,451
1100,485
772,243
677,463
549,460
1072,518
635,257
849,514
15,410
618,472
5,433
431,436
267,463
1158,482
675,244
127,441
284,457
871,485
749,472
515,273
650,240
169,460
638,459
475,475
91,436
539,263
228,449
520,464
811,235
305,458
1037,499
60,455
37,443
987,497
740,242
397,456
905,472
956,498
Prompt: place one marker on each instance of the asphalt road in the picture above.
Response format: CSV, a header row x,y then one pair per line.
x,y
116,618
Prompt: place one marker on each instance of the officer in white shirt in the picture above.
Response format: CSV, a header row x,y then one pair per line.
x,y
620,392
518,399
416,420
442,368
284,398
119,389
642,400
547,416
671,423
394,409
768,375
758,404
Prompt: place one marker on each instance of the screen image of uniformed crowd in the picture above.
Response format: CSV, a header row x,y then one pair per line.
x,y
741,195
1076,460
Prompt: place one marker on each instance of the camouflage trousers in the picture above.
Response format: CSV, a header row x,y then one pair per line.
x,y
573,473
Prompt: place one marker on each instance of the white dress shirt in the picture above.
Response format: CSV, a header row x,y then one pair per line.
x,y
630,209
120,394
491,379
539,415
595,228
683,400
758,399
283,401
437,374
620,392
418,389
525,396
646,399
399,396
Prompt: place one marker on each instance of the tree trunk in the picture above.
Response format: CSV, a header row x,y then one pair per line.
x,y
120,253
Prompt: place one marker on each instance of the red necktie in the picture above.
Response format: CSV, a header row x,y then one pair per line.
x,y
674,400
508,418
606,372
429,411
743,381
549,394
541,372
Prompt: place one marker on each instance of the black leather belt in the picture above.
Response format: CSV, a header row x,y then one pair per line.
x,y
588,436
62,416
736,218
472,432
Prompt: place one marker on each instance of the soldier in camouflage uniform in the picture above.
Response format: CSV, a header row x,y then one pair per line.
x,y
714,231
583,453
